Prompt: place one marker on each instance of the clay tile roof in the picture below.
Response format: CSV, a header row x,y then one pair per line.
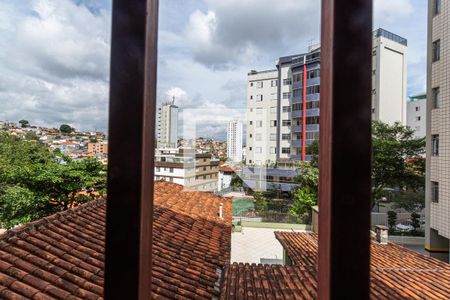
x,y
61,256
302,249
245,281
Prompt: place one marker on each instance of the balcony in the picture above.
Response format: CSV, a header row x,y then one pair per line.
x,y
312,97
296,143
297,113
296,128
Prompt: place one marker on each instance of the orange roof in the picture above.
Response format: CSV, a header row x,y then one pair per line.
x,y
61,256
302,249
227,169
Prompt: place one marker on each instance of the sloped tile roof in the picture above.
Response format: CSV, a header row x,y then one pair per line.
x,y
245,281
61,256
302,248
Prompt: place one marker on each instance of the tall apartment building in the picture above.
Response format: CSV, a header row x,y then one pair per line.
x,y
196,171
437,203
234,141
280,125
416,114
389,74
167,125
262,117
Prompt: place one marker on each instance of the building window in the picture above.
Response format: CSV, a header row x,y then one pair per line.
x,y
249,148
273,110
436,7
251,97
286,136
286,95
297,77
286,123
259,110
273,137
435,97
259,98
287,81
250,135
158,169
258,149
273,83
286,150
286,108
296,106
258,137
273,123
436,50
170,170
435,144
418,118
314,89
273,150
259,84
251,83
417,108
259,124
313,74
204,168
435,191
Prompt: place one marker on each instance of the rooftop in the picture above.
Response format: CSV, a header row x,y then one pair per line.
x,y
380,32
61,256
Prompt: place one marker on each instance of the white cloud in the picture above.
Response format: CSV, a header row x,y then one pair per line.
x,y
54,63
233,32
389,11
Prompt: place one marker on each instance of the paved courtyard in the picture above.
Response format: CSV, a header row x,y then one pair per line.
x,y
253,244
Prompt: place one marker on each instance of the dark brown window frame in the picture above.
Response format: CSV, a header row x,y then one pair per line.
x,y
345,142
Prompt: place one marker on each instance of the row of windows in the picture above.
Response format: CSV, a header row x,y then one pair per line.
x,y
260,84
309,105
309,120
309,75
437,7
158,169
436,51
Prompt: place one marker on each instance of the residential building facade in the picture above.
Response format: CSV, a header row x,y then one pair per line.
x,y
234,141
389,74
167,125
416,114
196,171
437,203
97,148
280,125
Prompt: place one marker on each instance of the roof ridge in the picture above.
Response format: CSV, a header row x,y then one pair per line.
x,y
18,230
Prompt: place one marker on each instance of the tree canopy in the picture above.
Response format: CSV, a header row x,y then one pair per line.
x,y
397,161
35,182
24,123
65,128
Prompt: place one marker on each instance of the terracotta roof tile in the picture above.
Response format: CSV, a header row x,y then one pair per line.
x,y
302,249
61,256
245,281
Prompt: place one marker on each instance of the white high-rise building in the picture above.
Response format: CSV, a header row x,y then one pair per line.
x,y
437,192
389,74
416,114
167,130
262,117
234,141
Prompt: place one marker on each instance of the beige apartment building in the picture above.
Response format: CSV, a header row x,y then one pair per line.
x,y
438,130
196,171
97,148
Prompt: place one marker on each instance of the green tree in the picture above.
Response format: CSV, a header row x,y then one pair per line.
x,y
313,150
261,202
304,199
24,123
415,221
236,182
409,200
66,129
392,219
396,159
308,176
35,182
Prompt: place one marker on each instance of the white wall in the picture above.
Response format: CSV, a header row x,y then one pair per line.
x,y
389,81
416,112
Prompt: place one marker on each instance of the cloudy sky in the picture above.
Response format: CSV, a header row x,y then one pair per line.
x,y
54,54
